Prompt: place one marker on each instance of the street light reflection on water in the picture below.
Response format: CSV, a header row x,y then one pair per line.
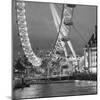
x,y
83,83
67,88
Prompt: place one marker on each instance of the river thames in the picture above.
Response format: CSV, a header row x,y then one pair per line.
x,y
67,88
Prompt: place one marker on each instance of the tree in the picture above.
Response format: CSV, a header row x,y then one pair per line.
x,y
19,66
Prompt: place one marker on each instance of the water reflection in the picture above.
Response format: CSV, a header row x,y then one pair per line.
x,y
84,83
57,89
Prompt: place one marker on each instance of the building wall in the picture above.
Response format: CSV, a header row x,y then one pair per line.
x,y
91,59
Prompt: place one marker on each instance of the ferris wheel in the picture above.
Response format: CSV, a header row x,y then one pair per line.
x,y
23,34
63,26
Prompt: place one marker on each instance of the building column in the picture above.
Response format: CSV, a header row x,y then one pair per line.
x,y
85,57
90,57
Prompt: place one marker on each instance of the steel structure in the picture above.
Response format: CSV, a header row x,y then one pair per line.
x,y
64,30
23,33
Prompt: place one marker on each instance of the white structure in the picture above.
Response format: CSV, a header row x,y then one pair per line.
x,y
91,59
63,31
63,27
23,33
90,53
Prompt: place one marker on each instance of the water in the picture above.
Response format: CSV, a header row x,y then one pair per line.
x,y
57,89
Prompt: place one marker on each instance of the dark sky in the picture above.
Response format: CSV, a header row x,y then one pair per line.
x,y
42,31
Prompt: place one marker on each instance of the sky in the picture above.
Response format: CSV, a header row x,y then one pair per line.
x,y
42,30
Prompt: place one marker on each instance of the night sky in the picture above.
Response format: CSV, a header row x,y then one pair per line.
x,y
42,31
